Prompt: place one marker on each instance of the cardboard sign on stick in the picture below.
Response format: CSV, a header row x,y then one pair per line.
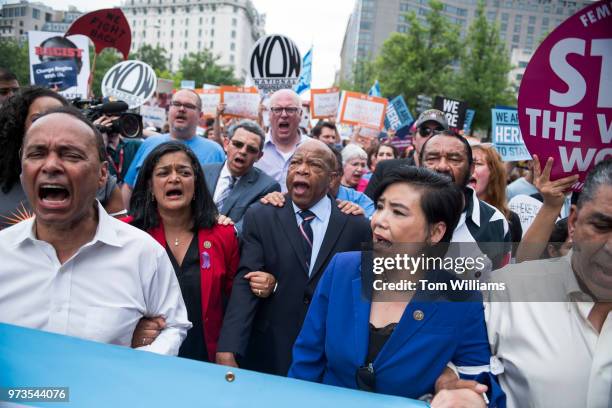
x,y
324,103
241,102
211,98
362,110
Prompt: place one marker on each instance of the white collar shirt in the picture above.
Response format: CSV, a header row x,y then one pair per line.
x,y
223,182
322,211
551,354
100,293
276,163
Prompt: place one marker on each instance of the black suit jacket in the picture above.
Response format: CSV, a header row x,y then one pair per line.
x,y
248,190
262,331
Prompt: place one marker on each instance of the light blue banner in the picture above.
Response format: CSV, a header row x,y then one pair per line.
x,y
303,83
102,375
187,84
506,136
469,118
398,115
375,90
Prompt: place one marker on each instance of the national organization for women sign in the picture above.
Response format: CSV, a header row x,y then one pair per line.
x,y
275,63
131,81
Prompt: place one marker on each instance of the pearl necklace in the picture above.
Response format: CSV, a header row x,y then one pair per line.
x,y
176,242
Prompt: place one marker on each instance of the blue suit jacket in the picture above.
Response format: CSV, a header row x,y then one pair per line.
x,y
333,342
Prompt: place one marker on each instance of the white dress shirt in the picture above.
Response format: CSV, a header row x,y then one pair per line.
x,y
552,355
100,293
322,212
223,182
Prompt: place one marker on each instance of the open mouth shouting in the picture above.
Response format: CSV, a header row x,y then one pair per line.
x,y
300,188
283,126
174,193
380,241
53,195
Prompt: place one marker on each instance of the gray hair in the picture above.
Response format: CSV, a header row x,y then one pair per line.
x,y
249,126
352,151
600,175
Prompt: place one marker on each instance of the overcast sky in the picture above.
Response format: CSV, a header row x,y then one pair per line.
x,y
320,23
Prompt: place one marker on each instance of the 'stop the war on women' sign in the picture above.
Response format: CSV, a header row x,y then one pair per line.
x,y
565,98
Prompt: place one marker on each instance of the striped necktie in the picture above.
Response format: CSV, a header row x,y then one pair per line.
x,y
306,231
225,193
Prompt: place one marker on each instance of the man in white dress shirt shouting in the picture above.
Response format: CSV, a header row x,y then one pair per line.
x,y
73,269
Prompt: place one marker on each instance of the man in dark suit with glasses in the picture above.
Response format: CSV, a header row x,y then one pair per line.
x,y
236,184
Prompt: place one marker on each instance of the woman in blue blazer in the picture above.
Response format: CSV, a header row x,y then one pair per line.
x,y
358,336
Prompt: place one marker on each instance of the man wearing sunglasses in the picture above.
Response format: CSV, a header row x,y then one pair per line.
x,y
284,137
8,85
237,184
183,116
428,123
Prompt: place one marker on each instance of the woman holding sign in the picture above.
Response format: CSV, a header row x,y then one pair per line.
x,y
362,333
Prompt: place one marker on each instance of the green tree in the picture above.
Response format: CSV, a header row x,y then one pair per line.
x,y
105,60
483,81
362,77
202,67
155,57
421,60
15,58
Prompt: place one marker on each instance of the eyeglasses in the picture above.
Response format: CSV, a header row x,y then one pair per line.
x,y
6,91
427,131
250,149
291,110
179,105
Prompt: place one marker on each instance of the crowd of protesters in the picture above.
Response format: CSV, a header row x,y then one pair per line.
x,y
245,246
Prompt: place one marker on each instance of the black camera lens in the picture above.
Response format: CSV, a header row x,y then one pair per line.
x,y
130,125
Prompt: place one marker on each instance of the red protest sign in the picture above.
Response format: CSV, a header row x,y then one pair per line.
x,y
106,28
565,98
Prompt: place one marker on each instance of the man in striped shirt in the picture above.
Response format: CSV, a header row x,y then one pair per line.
x,y
482,224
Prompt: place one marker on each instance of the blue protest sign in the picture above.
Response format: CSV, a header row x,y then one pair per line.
x,y
187,84
507,137
397,114
104,375
59,74
306,74
469,118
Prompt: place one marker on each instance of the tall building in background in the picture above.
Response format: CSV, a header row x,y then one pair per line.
x,y
522,24
17,18
228,29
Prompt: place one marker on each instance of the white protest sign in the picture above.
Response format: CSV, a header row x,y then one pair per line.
x,y
153,116
133,82
526,207
363,110
324,103
240,101
47,48
211,98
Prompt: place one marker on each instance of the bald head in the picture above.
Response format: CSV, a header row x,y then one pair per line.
x,y
284,94
321,149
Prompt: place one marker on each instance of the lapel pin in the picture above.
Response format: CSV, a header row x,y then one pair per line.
x,y
418,315
207,244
